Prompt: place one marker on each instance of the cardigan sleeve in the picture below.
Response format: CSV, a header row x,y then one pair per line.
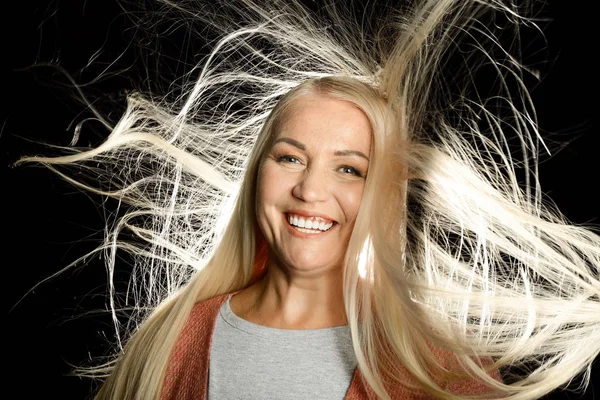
x,y
407,387
186,377
471,386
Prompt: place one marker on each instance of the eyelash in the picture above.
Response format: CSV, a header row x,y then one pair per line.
x,y
288,158
354,171
291,159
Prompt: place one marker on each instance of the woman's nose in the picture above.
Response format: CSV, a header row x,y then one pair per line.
x,y
313,186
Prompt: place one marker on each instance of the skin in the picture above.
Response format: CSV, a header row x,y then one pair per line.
x,y
316,166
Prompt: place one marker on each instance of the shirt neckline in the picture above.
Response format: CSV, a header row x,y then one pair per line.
x,y
338,332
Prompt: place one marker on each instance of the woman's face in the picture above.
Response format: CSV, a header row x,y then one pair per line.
x,y
310,183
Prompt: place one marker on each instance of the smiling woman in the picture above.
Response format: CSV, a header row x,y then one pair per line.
x,y
312,173
387,239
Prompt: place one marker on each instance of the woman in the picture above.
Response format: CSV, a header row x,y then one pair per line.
x,y
434,264
306,182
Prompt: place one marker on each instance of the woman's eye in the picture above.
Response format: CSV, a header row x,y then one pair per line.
x,y
350,170
289,159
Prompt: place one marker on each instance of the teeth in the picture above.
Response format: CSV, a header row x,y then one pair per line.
x,y
311,231
308,225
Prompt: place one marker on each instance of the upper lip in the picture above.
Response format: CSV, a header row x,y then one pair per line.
x,y
311,214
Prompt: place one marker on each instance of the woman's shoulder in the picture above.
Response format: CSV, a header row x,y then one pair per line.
x,y
201,320
453,376
211,303
206,311
460,380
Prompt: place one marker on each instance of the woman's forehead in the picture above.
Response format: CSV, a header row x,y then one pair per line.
x,y
325,120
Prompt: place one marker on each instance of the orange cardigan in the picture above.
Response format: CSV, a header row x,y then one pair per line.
x,y
187,371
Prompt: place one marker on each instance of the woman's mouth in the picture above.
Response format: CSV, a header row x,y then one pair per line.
x,y
310,225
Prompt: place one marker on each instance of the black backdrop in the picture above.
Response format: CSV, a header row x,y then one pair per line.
x,y
48,223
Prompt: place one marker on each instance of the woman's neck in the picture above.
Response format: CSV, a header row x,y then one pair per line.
x,y
299,302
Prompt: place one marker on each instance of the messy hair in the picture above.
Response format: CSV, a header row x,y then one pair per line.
x,y
453,246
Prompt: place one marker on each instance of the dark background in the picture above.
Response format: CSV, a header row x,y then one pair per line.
x,y
48,223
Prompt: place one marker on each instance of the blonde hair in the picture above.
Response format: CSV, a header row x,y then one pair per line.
x,y
454,252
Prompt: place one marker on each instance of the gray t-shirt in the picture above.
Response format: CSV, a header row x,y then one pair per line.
x,y
250,361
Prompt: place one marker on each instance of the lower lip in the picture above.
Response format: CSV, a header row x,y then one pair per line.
x,y
304,235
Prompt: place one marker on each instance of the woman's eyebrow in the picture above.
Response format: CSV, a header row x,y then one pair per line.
x,y
293,142
301,146
351,153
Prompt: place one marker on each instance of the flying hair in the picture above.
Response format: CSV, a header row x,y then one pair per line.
x,y
454,246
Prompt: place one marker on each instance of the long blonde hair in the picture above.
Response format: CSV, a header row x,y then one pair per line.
x,y
448,250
